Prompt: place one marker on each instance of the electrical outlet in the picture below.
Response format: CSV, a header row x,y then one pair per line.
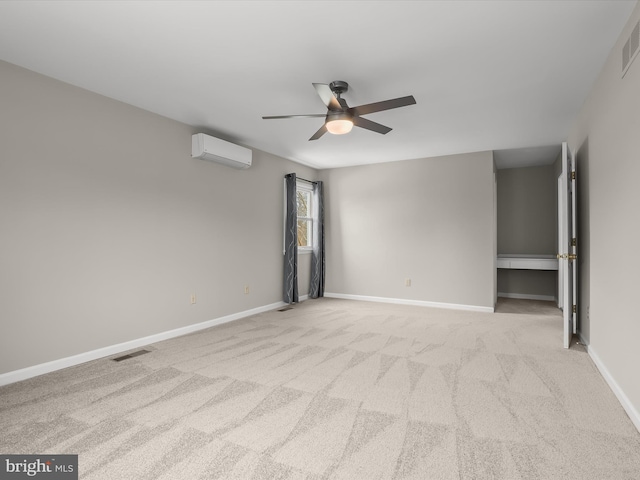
x,y
193,298
407,282
246,289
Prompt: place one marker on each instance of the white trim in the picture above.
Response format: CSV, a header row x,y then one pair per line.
x,y
419,303
34,371
631,410
527,296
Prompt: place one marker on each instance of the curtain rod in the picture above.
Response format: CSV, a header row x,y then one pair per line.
x,y
305,180
300,178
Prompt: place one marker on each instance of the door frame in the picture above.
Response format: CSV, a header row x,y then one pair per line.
x,y
567,243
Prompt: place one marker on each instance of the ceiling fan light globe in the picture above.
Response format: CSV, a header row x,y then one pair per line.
x,y
339,127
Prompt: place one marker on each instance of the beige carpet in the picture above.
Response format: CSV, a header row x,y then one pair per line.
x,y
337,389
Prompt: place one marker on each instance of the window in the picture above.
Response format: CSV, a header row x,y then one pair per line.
x,y
304,198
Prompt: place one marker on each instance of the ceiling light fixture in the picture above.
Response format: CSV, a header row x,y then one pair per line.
x,y
339,123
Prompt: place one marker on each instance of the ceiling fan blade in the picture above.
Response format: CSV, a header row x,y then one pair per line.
x,y
369,125
310,115
327,96
319,133
380,106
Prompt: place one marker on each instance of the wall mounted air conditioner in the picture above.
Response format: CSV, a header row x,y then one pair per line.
x,y
211,148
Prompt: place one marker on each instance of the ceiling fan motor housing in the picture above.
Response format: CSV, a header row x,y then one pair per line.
x,y
338,115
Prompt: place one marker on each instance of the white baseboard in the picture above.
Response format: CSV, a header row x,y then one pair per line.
x,y
419,303
34,371
527,296
631,410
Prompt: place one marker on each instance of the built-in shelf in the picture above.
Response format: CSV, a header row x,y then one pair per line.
x,y
527,262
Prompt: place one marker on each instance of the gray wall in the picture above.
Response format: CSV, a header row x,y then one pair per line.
x,y
108,224
527,210
430,220
607,142
537,284
527,224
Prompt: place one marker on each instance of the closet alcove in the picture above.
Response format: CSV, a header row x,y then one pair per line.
x,y
527,222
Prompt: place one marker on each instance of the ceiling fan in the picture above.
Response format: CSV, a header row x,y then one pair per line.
x,y
340,118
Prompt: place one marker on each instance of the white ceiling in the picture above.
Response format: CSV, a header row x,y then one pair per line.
x,y
487,75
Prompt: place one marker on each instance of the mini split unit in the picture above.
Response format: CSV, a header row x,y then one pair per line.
x,y
213,149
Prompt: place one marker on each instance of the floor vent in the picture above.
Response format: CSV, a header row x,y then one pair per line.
x,y
130,355
630,49
285,309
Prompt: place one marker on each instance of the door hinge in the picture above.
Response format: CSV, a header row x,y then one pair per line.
x,y
574,242
573,175
574,309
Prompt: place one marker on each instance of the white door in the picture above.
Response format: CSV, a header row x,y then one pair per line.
x,y
562,212
573,249
567,256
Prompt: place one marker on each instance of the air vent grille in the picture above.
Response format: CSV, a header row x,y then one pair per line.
x,y
630,49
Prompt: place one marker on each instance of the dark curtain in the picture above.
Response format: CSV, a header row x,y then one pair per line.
x,y
290,287
316,288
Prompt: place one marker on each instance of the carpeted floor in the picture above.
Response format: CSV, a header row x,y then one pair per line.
x,y
337,389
